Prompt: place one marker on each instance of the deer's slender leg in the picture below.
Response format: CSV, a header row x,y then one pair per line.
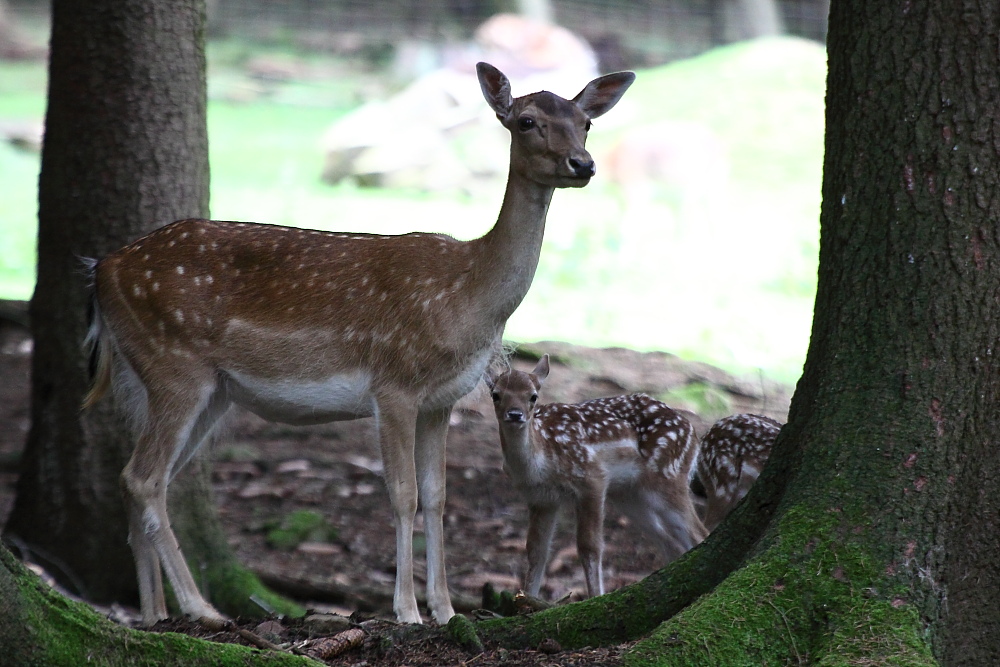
x,y
541,528
431,437
147,564
171,420
218,404
590,535
395,420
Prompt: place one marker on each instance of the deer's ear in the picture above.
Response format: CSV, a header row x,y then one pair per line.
x,y
600,95
541,369
496,89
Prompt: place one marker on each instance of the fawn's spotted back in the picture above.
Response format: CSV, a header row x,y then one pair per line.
x,y
576,432
733,452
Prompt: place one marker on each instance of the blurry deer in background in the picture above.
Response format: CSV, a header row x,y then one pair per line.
x,y
733,452
306,327
633,450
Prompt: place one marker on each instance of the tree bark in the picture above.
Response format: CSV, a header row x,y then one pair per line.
x,y
871,537
126,150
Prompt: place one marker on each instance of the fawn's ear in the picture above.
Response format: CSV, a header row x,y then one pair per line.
x,y
600,95
496,89
541,369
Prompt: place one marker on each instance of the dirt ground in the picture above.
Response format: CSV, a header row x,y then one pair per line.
x,y
265,472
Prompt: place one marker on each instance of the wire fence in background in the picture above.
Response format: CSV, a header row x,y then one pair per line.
x,y
624,33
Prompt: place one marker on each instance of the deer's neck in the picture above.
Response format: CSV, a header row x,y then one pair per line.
x,y
508,253
522,456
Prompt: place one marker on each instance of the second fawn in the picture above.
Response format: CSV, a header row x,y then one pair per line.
x,y
732,454
633,450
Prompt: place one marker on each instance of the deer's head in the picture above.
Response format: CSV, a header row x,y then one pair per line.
x,y
548,132
515,393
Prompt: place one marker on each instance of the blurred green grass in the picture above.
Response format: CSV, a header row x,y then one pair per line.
x,y
728,278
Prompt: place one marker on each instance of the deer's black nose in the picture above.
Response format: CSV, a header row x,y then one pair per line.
x,y
514,415
582,168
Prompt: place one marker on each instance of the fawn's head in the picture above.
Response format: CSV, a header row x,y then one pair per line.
x,y
515,393
549,133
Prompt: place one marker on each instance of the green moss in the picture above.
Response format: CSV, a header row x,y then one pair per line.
x,y
702,398
813,596
236,591
54,631
298,527
462,631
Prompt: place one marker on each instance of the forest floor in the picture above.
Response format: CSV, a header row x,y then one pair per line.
x,y
267,473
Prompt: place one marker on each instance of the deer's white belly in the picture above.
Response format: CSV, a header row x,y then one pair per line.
x,y
338,397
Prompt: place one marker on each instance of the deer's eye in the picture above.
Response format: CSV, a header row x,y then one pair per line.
x,y
525,123
534,397
586,128
496,397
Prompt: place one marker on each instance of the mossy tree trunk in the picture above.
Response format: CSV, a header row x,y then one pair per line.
x,y
126,150
872,536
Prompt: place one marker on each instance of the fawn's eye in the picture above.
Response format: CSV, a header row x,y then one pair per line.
x,y
586,128
524,123
534,397
496,397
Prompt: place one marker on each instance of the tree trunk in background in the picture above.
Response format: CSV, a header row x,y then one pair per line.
x,y
126,150
872,534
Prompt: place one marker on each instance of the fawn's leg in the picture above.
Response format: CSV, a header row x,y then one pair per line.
x,y
395,423
431,436
673,519
541,528
590,536
716,509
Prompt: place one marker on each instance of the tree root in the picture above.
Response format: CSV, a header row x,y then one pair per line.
x,y
811,592
811,597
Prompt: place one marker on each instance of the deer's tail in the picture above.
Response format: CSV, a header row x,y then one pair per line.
x,y
97,343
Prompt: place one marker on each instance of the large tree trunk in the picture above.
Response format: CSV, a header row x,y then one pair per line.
x,y
126,150
872,535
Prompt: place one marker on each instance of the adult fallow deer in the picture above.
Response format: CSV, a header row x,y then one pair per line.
x,y
305,326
